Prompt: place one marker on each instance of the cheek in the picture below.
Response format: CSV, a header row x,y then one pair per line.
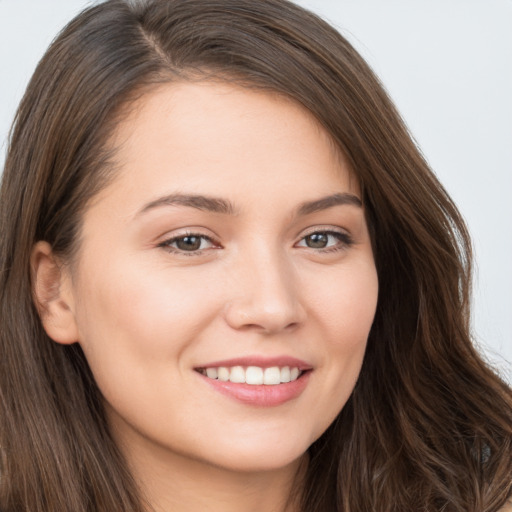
x,y
345,302
133,317
345,310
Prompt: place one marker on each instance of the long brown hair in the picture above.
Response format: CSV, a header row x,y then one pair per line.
x,y
429,424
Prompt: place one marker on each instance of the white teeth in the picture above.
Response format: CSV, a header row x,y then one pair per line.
x,y
285,374
253,375
223,374
272,376
211,372
237,374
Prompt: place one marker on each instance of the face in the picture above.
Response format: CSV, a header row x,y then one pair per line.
x,y
231,246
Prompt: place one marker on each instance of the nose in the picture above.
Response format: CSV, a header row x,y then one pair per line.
x,y
265,295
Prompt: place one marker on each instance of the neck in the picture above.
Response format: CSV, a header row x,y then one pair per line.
x,y
218,490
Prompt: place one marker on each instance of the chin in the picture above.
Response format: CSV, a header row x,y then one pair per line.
x,y
259,456
260,464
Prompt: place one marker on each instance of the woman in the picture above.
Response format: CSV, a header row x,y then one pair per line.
x,y
229,279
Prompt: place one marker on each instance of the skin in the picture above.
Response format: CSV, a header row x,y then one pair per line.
x,y
147,314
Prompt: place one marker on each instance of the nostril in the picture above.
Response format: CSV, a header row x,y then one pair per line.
x,y
265,301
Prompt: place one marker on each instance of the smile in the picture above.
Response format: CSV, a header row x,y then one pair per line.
x,y
253,375
258,381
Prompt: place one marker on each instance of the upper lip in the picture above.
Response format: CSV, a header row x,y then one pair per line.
x,y
260,361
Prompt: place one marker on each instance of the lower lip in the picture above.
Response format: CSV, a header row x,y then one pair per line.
x,y
262,395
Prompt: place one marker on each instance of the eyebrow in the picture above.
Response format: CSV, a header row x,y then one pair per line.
x,y
324,203
206,203
223,206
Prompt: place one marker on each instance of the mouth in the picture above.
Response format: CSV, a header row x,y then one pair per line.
x,y
258,381
253,375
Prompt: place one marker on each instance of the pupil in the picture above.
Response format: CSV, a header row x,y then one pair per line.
x,y
317,240
189,243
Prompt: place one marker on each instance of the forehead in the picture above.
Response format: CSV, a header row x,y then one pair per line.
x,y
213,134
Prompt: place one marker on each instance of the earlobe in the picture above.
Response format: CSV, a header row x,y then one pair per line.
x,y
51,289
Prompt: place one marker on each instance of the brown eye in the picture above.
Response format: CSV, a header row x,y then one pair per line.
x,y
326,241
317,240
188,243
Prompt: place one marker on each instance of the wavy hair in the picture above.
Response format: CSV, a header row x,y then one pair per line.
x,y
428,426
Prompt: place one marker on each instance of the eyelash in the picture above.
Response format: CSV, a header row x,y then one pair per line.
x,y
345,241
166,244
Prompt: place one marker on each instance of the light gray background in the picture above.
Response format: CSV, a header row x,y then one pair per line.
x,y
448,66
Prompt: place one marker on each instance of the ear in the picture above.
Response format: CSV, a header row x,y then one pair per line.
x,y
52,292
